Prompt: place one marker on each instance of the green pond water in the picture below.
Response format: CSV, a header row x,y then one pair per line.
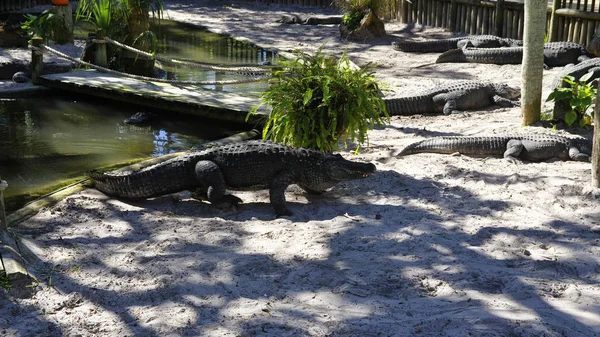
x,y
47,141
183,41
50,140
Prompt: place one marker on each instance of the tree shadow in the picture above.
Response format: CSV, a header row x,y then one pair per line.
x,y
423,273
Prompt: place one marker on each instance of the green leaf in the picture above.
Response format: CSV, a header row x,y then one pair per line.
x,y
586,77
570,117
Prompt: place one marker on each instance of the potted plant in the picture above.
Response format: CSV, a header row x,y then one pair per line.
x,y
319,102
125,21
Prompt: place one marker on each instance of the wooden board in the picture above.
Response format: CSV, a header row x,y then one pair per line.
x,y
189,99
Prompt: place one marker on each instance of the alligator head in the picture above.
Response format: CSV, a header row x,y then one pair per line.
x,y
340,169
335,169
506,91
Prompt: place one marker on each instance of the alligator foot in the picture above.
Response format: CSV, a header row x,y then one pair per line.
x,y
283,211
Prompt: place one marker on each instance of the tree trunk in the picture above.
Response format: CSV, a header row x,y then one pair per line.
x,y
533,60
596,146
138,22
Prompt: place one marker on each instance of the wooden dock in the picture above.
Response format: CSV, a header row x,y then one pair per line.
x,y
188,99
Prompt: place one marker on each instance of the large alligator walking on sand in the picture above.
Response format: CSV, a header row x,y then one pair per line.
x,y
556,54
531,147
442,45
248,165
455,98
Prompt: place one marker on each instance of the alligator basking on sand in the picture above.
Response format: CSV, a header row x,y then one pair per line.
x,y
310,20
442,45
455,98
531,147
556,54
248,165
578,70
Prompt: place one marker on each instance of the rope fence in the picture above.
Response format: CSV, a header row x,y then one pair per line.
x,y
258,73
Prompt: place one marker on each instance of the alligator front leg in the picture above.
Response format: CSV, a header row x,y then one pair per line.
x,y
209,174
277,192
505,102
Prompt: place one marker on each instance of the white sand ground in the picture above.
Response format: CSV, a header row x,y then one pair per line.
x,y
432,245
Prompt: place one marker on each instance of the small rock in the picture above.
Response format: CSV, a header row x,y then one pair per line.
x,y
20,77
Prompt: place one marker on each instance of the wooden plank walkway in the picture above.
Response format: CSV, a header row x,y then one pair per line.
x,y
189,99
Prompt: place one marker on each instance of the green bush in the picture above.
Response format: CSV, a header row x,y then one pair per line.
x,y
580,95
352,19
378,7
41,25
318,102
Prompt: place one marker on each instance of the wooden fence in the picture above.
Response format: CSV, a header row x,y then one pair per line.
x,y
15,5
566,21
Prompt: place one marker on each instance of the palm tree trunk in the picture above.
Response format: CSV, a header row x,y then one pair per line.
x,y
138,22
533,60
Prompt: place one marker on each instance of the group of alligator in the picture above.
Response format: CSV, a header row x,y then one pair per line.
x,y
259,164
256,164
458,96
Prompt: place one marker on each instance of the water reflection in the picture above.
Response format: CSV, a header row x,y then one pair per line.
x,y
184,41
44,141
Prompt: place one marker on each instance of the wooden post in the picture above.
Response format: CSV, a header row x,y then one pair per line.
x,y
63,33
37,60
553,29
453,13
596,146
3,222
100,56
499,17
404,11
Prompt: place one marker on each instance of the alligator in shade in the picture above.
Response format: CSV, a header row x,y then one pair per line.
x,y
531,147
248,165
442,45
578,70
455,98
556,54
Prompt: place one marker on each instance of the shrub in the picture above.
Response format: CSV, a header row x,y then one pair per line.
x,y
317,102
580,96
41,25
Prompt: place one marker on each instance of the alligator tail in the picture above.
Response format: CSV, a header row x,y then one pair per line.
x,y
164,178
452,56
427,46
406,106
506,55
454,144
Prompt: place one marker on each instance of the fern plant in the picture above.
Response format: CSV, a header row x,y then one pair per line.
x,y
580,95
319,102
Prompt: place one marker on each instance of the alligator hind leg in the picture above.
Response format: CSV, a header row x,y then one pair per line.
x,y
577,155
449,104
277,192
513,150
209,174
